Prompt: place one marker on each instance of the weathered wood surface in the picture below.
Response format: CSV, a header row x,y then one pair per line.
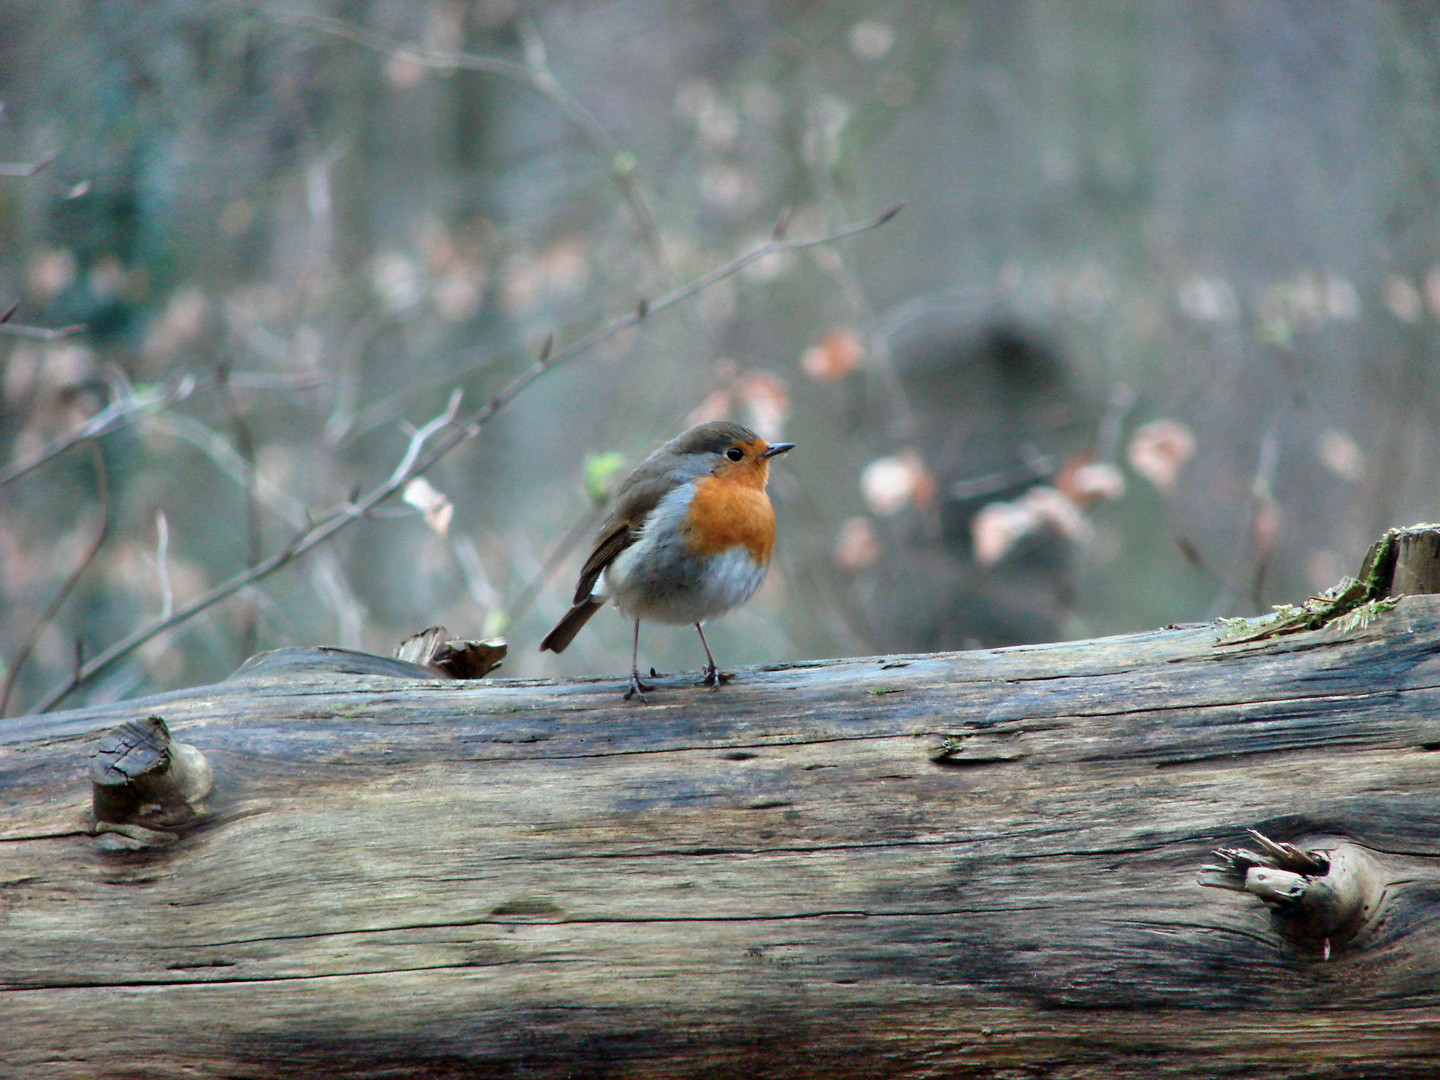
x,y
425,878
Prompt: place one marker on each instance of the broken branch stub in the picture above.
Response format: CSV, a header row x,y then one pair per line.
x,y
1402,562
1417,561
1321,895
452,658
145,783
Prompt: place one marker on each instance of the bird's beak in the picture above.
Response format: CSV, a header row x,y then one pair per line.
x,y
777,449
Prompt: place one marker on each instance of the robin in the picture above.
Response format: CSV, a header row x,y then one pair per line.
x,y
689,538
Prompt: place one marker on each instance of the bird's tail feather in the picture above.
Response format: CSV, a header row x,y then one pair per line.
x,y
566,629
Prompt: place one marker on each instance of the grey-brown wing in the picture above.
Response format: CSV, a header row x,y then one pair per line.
x,y
607,547
640,493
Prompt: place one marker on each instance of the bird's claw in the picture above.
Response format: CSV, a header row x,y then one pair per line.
x,y
637,688
714,677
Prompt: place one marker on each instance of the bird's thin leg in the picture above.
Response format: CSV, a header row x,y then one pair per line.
x,y
637,688
713,677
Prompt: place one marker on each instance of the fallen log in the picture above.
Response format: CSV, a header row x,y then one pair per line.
x,y
976,864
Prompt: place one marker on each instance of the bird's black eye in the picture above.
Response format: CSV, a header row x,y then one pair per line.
x,y
735,453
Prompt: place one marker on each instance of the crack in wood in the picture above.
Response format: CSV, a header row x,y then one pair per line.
x,y
616,920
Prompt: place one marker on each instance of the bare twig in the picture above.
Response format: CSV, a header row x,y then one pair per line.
x,y
128,406
102,530
421,54
245,447
620,164
391,407
471,426
125,409
162,563
265,380
448,435
403,473
1258,546
310,537
26,168
1033,468
331,584
41,333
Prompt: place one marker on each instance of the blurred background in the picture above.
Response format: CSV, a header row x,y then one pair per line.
x,y
1152,340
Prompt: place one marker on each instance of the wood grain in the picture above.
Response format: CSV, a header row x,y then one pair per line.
x,y
413,878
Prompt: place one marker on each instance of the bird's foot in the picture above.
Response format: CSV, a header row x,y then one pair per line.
x,y
637,688
714,677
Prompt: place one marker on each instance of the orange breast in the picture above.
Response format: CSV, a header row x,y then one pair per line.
x,y
725,514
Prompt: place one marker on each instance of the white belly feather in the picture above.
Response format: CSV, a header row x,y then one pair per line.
x,y
658,577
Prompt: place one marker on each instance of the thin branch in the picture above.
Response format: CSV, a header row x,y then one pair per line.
x,y
26,168
471,427
126,408
902,424
162,567
534,72
330,583
416,460
40,333
1107,436
421,54
264,380
622,163
1260,502
402,473
391,408
1033,468
102,484
311,537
